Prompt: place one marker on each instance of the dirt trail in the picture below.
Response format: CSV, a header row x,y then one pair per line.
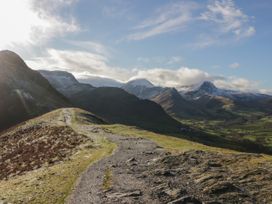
x,y
118,178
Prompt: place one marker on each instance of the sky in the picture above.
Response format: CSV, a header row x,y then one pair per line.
x,y
169,42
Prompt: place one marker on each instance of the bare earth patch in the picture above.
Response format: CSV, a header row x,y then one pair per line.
x,y
32,147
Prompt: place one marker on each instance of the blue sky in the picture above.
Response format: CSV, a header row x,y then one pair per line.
x,y
169,42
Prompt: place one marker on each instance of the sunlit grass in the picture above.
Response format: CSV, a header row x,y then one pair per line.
x,y
172,144
52,184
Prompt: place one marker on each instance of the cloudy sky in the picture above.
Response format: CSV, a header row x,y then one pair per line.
x,y
169,42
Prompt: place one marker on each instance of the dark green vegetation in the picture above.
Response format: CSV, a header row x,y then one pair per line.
x,y
246,131
24,92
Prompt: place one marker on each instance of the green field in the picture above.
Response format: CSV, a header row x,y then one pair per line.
x,y
258,130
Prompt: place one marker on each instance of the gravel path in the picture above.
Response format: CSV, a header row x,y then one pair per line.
x,y
119,178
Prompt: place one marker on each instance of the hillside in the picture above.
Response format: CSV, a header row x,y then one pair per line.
x,y
74,162
114,105
41,159
24,92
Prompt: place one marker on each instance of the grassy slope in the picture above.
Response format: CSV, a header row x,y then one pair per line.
x,y
52,184
172,144
177,145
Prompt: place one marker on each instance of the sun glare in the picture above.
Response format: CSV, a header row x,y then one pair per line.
x,y
17,21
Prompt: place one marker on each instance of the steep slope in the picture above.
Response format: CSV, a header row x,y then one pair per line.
x,y
24,92
174,104
115,105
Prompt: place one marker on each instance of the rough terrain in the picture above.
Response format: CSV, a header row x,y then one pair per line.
x,y
139,171
42,158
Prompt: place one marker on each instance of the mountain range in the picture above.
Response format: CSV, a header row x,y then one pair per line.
x,y
27,93
204,102
112,104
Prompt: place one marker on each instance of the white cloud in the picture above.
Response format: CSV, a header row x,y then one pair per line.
x,y
167,19
83,63
235,65
159,60
79,63
27,22
236,83
228,18
173,78
92,47
204,41
174,60
222,19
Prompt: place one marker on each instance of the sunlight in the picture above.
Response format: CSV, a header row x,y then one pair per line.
x,y
18,26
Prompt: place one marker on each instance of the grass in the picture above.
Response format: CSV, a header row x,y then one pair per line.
x,y
178,145
256,130
107,180
172,144
52,184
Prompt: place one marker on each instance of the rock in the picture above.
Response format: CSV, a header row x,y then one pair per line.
x,y
186,200
148,152
165,172
135,193
221,188
131,160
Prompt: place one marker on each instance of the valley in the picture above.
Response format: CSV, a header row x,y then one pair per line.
x,y
258,130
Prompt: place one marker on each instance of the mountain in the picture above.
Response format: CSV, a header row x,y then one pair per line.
x,y
114,105
175,103
140,83
179,107
100,81
143,89
65,82
24,92
210,95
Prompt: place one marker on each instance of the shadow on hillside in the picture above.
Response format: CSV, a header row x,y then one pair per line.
x,y
241,145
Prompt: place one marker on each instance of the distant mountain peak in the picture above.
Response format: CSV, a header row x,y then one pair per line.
x,y
208,87
141,82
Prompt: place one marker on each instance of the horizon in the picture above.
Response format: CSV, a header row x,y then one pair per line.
x,y
173,43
